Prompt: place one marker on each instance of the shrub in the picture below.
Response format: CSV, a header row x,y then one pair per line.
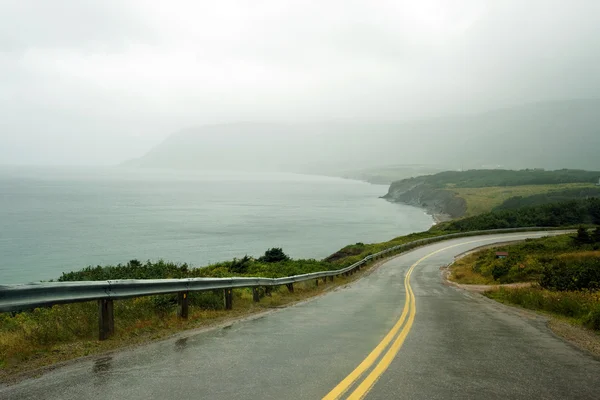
x,y
592,320
571,274
500,270
274,255
240,266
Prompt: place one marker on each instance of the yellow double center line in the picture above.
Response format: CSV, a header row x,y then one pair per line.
x,y
409,310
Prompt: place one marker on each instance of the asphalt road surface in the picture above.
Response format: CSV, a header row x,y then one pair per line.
x,y
381,337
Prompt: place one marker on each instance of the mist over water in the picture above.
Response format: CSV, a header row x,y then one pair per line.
x,y
56,220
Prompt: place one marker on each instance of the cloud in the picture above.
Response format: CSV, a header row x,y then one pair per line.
x,y
130,69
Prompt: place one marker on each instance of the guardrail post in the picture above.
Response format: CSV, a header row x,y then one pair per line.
x,y
255,295
228,298
268,291
317,282
290,287
182,301
106,319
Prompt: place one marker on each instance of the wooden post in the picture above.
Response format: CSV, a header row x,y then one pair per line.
x,y
182,301
290,287
255,295
106,319
317,282
228,298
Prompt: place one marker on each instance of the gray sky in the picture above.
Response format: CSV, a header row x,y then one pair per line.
x,y
97,82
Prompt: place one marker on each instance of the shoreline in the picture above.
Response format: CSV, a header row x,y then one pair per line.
x,y
439,218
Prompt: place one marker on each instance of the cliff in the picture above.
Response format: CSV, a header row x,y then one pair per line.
x,y
442,203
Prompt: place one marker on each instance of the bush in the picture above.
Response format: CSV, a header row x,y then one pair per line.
x,y
592,320
500,270
207,300
571,274
274,255
240,266
583,237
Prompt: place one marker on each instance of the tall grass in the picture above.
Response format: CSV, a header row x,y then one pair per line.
x,y
582,306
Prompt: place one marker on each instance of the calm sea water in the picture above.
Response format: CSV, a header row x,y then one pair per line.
x,y
55,220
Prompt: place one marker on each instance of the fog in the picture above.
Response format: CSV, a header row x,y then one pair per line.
x,y
85,82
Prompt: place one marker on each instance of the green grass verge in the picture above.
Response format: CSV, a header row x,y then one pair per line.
x,y
581,307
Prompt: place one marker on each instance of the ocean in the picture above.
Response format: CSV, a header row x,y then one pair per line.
x,y
54,220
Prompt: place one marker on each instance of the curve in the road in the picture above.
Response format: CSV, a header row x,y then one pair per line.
x,y
400,336
460,346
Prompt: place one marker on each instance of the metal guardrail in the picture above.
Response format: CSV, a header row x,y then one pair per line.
x,y
31,295
22,297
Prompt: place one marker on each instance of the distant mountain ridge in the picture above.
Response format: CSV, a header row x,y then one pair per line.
x,y
564,134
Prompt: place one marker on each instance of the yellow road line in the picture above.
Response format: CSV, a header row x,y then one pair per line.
x,y
386,360
343,386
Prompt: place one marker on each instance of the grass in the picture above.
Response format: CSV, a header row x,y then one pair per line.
x,y
462,272
483,199
580,307
532,260
46,336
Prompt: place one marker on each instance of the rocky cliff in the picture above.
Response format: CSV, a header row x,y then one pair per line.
x,y
442,203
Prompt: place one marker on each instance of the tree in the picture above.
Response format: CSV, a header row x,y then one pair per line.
x,y
274,255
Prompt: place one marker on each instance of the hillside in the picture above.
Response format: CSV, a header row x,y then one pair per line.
x,y
568,213
473,192
549,135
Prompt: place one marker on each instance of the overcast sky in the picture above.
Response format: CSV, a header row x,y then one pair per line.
x,y
97,82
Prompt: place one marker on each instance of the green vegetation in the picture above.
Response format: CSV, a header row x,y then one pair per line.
x,y
470,193
565,271
581,307
486,199
555,195
561,262
479,178
569,213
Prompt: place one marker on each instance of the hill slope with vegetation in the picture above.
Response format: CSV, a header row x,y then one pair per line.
x,y
568,213
467,193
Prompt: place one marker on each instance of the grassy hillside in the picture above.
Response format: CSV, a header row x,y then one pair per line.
x,y
569,213
473,192
484,199
573,192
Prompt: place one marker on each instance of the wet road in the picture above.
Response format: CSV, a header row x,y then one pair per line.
x,y
380,338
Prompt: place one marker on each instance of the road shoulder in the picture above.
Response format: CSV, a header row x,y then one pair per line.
x,y
581,338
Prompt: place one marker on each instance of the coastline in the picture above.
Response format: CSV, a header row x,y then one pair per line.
x,y
439,218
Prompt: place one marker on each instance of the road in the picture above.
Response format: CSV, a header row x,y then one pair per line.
x,y
381,337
